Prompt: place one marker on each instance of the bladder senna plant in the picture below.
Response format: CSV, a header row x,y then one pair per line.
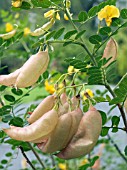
x,y
29,73
85,138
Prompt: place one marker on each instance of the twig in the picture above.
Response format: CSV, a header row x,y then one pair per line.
x,y
37,156
117,148
28,161
53,161
119,106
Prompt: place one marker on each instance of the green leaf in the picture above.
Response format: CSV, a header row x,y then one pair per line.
x,y
67,43
115,121
93,160
6,118
1,41
2,88
95,76
44,3
80,34
93,11
103,116
116,22
1,134
95,39
9,98
82,16
4,161
69,34
16,121
59,33
50,35
45,74
105,31
123,13
9,154
17,92
125,150
104,131
25,5
120,91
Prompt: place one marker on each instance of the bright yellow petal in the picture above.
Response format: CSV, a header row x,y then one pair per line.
x,y
66,17
114,12
26,31
70,69
62,166
49,14
102,14
9,27
90,93
57,16
108,22
17,3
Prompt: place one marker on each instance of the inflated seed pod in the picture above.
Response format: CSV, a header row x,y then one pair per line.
x,y
29,73
9,80
63,109
41,139
32,69
111,50
8,35
76,118
63,98
46,105
58,136
43,29
74,103
85,138
40,128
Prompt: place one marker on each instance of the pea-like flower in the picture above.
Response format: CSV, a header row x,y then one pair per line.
x,y
107,13
52,14
9,27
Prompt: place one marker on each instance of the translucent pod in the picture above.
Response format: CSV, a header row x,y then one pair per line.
x,y
85,138
40,128
46,105
8,35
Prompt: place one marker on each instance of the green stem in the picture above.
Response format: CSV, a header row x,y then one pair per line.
x,y
28,161
82,44
117,148
119,106
37,156
107,39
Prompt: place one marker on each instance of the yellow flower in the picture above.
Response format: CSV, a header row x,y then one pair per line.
x,y
86,94
71,69
49,87
26,31
62,166
107,13
9,27
66,17
84,161
52,14
16,3
16,15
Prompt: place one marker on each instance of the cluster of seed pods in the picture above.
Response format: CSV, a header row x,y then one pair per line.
x,y
65,128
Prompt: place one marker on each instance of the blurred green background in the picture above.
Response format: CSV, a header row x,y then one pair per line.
x,y
15,56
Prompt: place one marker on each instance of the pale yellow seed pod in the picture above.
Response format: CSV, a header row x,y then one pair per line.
x,y
45,106
43,29
9,80
85,138
32,69
8,35
40,128
111,50
58,136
